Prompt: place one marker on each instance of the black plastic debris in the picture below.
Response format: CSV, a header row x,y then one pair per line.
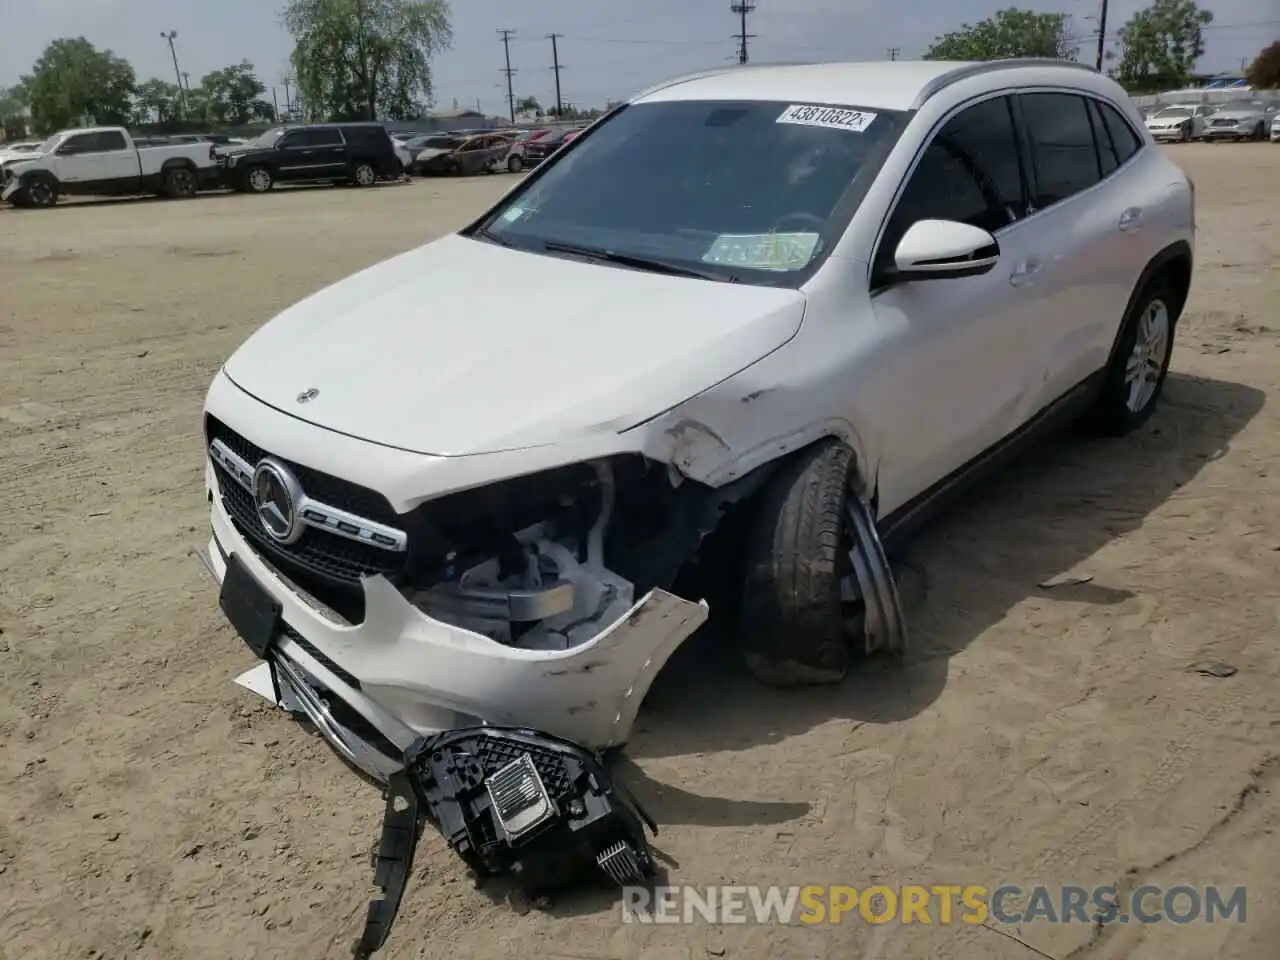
x,y
511,802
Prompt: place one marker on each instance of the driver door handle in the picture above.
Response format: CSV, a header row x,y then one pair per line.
x,y
1024,273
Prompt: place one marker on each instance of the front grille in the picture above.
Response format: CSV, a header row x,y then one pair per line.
x,y
332,560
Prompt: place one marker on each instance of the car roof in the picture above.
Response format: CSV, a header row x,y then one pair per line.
x,y
883,84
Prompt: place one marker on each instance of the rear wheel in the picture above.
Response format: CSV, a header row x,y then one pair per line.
x,y
363,174
179,183
1137,374
515,164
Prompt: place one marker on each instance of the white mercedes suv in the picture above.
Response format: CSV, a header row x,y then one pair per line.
x,y
814,300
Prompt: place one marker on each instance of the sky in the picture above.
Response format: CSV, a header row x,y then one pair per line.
x,y
605,55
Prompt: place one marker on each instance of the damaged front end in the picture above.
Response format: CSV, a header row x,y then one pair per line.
x,y
538,600
510,802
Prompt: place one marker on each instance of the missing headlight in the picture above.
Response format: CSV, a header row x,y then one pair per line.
x,y
514,802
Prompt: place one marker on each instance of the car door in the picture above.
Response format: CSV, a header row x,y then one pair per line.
x,y
103,157
961,364
1088,233
329,148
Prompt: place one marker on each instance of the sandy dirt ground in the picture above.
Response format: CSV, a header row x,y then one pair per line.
x,y
150,808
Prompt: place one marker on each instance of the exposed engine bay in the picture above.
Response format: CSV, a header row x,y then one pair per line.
x,y
554,558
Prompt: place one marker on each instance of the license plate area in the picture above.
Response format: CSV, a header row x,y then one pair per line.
x,y
253,613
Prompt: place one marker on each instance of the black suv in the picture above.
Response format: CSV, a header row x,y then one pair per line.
x,y
359,153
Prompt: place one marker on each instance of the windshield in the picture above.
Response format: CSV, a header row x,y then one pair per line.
x,y
718,186
266,140
1173,113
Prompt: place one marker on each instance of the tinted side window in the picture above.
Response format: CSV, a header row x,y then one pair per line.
x,y
1107,156
326,137
111,140
81,143
1062,149
1126,142
969,172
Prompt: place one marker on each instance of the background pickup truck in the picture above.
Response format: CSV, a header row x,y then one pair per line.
x,y
105,161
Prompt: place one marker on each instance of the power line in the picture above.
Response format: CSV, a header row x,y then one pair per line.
x,y
506,52
742,8
555,65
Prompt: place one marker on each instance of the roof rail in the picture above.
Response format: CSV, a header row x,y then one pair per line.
x,y
714,72
938,84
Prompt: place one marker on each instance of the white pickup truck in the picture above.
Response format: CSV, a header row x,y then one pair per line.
x,y
105,161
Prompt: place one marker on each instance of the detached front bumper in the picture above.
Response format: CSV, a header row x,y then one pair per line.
x,y
374,688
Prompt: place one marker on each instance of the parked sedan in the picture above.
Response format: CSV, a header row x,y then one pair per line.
x,y
1240,120
1181,122
472,155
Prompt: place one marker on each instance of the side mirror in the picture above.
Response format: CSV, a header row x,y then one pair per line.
x,y
944,250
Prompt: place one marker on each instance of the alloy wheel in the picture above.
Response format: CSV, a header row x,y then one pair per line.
x,y
1147,360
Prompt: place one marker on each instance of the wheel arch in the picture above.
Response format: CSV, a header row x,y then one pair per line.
x,y
174,163
1174,263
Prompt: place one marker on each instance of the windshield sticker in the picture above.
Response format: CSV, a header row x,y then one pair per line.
x,y
836,118
762,251
511,214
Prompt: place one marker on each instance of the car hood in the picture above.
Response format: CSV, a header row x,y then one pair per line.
x,y
464,347
1166,121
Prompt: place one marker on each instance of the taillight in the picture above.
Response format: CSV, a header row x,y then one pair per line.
x,y
213,154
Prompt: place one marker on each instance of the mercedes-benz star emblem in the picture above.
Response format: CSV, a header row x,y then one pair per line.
x,y
307,395
276,496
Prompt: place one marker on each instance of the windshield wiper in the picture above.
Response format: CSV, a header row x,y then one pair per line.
x,y
638,263
484,233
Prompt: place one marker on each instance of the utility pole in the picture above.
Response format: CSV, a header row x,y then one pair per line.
x,y
893,52
172,35
506,52
742,8
1102,36
555,65
288,103
275,102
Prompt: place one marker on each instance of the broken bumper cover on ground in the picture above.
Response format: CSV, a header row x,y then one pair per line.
x,y
375,688
509,801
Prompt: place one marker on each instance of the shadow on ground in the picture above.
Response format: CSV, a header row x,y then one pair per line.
x,y
1054,509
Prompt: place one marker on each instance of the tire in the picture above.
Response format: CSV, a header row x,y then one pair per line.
x,y
41,192
180,183
1260,132
515,164
1122,407
793,624
363,174
258,180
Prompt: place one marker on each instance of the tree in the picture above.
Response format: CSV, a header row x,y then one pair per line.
x,y
1264,72
362,59
233,95
13,111
528,105
1010,33
158,100
1160,45
72,80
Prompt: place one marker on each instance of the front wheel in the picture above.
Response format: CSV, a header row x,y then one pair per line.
x,y
259,180
794,622
1136,377
41,192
